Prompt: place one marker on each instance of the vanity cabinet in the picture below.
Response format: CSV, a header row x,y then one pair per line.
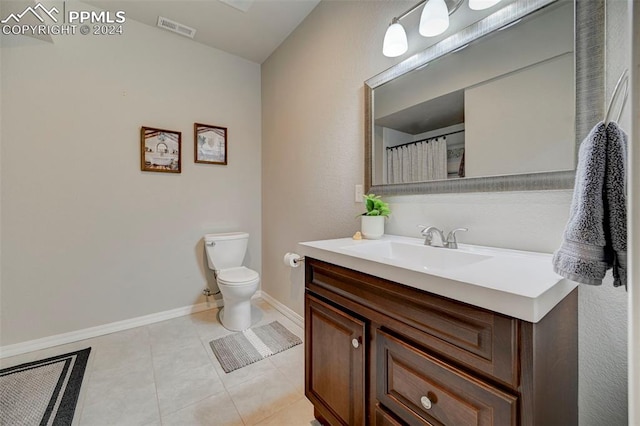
x,y
382,353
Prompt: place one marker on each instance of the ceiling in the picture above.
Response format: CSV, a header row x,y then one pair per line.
x,y
437,113
252,35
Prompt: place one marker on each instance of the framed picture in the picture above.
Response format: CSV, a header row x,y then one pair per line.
x,y
160,150
210,144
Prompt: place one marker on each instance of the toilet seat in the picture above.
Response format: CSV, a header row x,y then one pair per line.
x,y
237,276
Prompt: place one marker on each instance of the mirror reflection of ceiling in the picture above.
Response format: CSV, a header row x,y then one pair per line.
x,y
443,111
541,38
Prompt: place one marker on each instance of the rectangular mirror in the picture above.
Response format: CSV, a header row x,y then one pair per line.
x,y
501,105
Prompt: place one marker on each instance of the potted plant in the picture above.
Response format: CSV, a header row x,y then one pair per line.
x,y
372,226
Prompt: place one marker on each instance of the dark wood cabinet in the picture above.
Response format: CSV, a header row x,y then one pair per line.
x,y
378,352
421,389
335,363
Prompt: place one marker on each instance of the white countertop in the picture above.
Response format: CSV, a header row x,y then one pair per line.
x,y
515,283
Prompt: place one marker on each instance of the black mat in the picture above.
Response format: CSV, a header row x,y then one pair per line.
x,y
42,392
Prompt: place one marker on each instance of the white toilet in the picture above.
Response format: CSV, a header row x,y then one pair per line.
x,y
225,253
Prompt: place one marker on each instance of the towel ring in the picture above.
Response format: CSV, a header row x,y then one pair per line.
x,y
624,78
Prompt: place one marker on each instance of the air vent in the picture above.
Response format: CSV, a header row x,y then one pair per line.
x,y
176,27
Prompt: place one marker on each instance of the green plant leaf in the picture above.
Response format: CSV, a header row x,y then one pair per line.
x,y
375,206
370,204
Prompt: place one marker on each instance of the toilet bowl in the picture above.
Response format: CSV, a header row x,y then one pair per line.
x,y
237,283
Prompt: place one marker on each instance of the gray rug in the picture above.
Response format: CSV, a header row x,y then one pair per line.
x,y
244,348
42,392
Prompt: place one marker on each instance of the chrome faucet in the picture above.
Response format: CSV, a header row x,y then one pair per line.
x,y
429,232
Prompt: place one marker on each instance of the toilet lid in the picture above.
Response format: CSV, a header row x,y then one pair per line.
x,y
237,275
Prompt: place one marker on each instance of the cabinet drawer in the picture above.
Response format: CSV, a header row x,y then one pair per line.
x,y
484,341
422,389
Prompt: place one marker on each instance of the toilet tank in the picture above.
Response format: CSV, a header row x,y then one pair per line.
x,y
226,251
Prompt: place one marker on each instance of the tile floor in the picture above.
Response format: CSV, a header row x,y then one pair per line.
x,y
166,374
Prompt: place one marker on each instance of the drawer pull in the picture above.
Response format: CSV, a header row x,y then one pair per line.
x,y
355,343
426,402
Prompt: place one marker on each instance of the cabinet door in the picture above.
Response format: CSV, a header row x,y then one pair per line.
x,y
335,363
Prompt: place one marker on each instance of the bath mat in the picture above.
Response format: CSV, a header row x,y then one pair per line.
x,y
42,392
241,349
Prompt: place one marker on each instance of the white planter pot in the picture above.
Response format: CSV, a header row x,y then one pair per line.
x,y
372,227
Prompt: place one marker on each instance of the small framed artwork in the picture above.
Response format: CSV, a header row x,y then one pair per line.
x,y
160,150
210,144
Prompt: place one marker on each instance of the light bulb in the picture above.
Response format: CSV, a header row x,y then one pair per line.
x,y
482,4
434,19
395,40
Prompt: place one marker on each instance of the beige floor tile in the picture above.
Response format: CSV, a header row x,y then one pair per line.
x,y
215,410
132,406
181,388
300,413
262,304
208,326
137,335
295,375
121,349
293,355
172,360
291,364
119,380
135,376
174,333
262,396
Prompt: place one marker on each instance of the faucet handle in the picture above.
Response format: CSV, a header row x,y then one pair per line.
x,y
451,238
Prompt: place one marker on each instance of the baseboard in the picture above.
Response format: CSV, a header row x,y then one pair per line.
x,y
284,310
87,333
100,330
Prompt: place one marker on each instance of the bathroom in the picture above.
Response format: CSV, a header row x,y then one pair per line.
x,y
84,246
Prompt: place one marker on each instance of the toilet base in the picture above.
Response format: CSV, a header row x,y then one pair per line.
x,y
236,316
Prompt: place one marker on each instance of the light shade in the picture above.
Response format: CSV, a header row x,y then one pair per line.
x,y
482,4
395,40
434,19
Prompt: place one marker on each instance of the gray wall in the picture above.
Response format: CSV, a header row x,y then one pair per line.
x,y
313,106
87,238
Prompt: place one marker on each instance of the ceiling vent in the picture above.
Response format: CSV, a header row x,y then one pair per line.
x,y
176,27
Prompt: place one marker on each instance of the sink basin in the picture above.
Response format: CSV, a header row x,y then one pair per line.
x,y
517,283
416,256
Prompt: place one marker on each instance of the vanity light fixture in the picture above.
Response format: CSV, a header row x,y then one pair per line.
x,y
482,4
395,40
434,20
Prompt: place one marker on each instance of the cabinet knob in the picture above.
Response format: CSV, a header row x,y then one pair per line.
x,y
355,343
426,402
